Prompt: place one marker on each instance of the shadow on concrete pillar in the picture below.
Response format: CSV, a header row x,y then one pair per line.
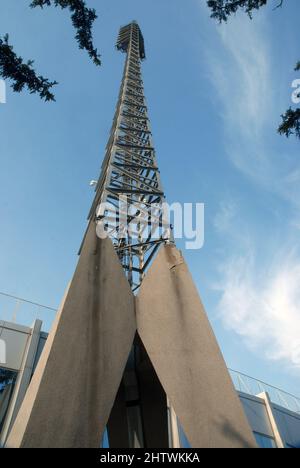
x,y
74,388
153,401
76,381
117,426
179,340
139,416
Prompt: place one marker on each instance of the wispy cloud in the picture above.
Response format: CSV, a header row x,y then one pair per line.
x,y
247,76
225,216
243,75
259,295
263,305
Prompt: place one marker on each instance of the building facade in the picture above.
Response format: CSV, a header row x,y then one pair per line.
x,y
273,415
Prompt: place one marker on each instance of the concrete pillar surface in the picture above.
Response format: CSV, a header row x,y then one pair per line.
x,y
74,387
76,381
179,340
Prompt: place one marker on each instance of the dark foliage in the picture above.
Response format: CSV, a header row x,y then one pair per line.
x,y
291,119
221,11
22,74
82,19
6,378
290,123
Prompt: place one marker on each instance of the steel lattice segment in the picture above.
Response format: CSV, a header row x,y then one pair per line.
x,y
129,197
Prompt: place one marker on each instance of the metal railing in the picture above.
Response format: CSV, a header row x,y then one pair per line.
x,y
24,312
246,384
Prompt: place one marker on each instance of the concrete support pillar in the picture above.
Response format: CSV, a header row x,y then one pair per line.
x,y
179,340
71,395
174,439
74,388
153,402
117,426
278,437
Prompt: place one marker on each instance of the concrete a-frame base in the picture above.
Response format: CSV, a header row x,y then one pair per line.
x,y
73,390
180,342
75,384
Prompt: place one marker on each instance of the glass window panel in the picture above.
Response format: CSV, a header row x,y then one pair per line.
x,y
7,383
264,441
135,426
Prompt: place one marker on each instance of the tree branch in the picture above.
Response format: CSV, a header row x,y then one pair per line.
x,y
290,123
22,74
82,20
222,9
279,5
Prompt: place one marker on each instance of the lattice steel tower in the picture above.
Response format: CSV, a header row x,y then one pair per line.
x,y
131,365
130,179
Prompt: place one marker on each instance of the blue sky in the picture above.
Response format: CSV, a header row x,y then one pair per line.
x,y
215,96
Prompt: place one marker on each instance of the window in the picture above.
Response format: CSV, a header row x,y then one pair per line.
x,y
264,441
7,383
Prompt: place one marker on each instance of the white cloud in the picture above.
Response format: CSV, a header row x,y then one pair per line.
x,y
248,98
230,224
260,294
225,216
246,88
263,306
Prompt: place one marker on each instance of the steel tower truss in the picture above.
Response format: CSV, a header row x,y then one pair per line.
x,y
129,196
151,360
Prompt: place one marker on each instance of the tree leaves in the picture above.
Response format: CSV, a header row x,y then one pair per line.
x,y
290,123
222,9
291,119
22,74
82,19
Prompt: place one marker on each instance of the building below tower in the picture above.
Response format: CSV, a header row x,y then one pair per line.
x,y
273,415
